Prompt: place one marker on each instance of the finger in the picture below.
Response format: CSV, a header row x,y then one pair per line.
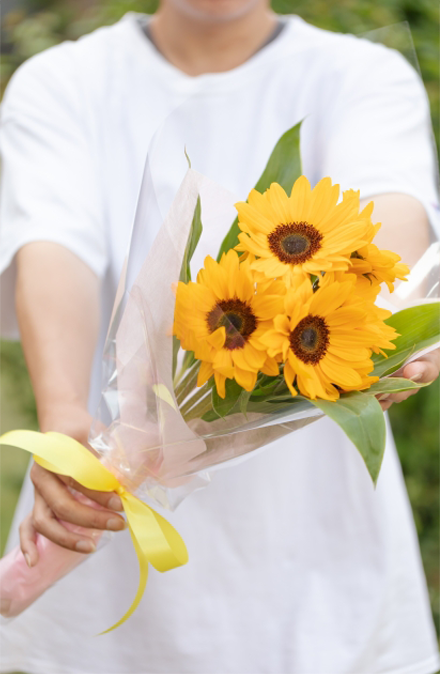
x,y
432,357
109,500
386,404
66,507
28,541
403,395
424,370
45,523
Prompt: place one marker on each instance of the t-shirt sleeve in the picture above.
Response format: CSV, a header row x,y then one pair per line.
x,y
50,188
379,138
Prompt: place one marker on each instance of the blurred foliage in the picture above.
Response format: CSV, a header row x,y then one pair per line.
x,y
43,23
17,410
416,424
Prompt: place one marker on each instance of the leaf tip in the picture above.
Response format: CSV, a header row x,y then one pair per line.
x,y
187,157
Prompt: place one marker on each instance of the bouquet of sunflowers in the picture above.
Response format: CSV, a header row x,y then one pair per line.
x,y
285,326
298,305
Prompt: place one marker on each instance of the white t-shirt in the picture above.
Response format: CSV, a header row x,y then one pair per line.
x,y
297,565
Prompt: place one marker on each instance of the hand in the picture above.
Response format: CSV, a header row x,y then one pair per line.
x,y
54,501
424,370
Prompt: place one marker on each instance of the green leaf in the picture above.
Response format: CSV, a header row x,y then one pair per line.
x,y
282,407
188,360
419,327
230,240
394,385
176,347
283,167
194,235
193,239
268,386
387,366
360,416
224,406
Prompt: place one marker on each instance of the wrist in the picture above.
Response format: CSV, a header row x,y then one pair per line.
x,y
71,419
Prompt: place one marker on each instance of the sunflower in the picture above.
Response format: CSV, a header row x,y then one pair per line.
x,y
324,338
222,317
308,232
366,289
379,265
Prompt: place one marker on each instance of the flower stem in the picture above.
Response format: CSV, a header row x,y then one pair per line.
x,y
199,409
188,362
187,384
195,399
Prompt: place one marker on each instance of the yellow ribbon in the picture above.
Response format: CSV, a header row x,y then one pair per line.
x,y
154,539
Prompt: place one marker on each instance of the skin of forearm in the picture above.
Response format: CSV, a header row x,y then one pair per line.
x,y
405,230
57,303
405,225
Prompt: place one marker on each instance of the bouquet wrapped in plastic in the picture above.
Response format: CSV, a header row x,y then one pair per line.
x,y
281,326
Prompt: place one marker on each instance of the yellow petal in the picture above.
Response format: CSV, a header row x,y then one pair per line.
x,y
282,324
267,306
300,200
289,376
245,286
215,278
222,363
245,379
249,218
339,375
220,384
204,374
270,367
324,199
217,338
279,201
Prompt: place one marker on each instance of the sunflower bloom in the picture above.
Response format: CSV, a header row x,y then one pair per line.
x,y
366,289
325,339
379,265
222,317
306,233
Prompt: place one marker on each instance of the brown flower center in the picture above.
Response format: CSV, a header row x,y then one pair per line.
x,y
295,243
238,320
310,339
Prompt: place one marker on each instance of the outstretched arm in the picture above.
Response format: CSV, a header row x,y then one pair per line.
x,y
57,300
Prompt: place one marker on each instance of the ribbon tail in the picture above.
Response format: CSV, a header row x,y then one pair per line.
x,y
155,540
143,577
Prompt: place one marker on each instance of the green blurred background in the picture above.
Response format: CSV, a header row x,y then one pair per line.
x,y
30,26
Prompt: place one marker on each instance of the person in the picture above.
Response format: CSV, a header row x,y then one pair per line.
x,y
297,564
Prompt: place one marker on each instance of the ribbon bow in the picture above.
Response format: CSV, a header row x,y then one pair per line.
x,y
154,539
